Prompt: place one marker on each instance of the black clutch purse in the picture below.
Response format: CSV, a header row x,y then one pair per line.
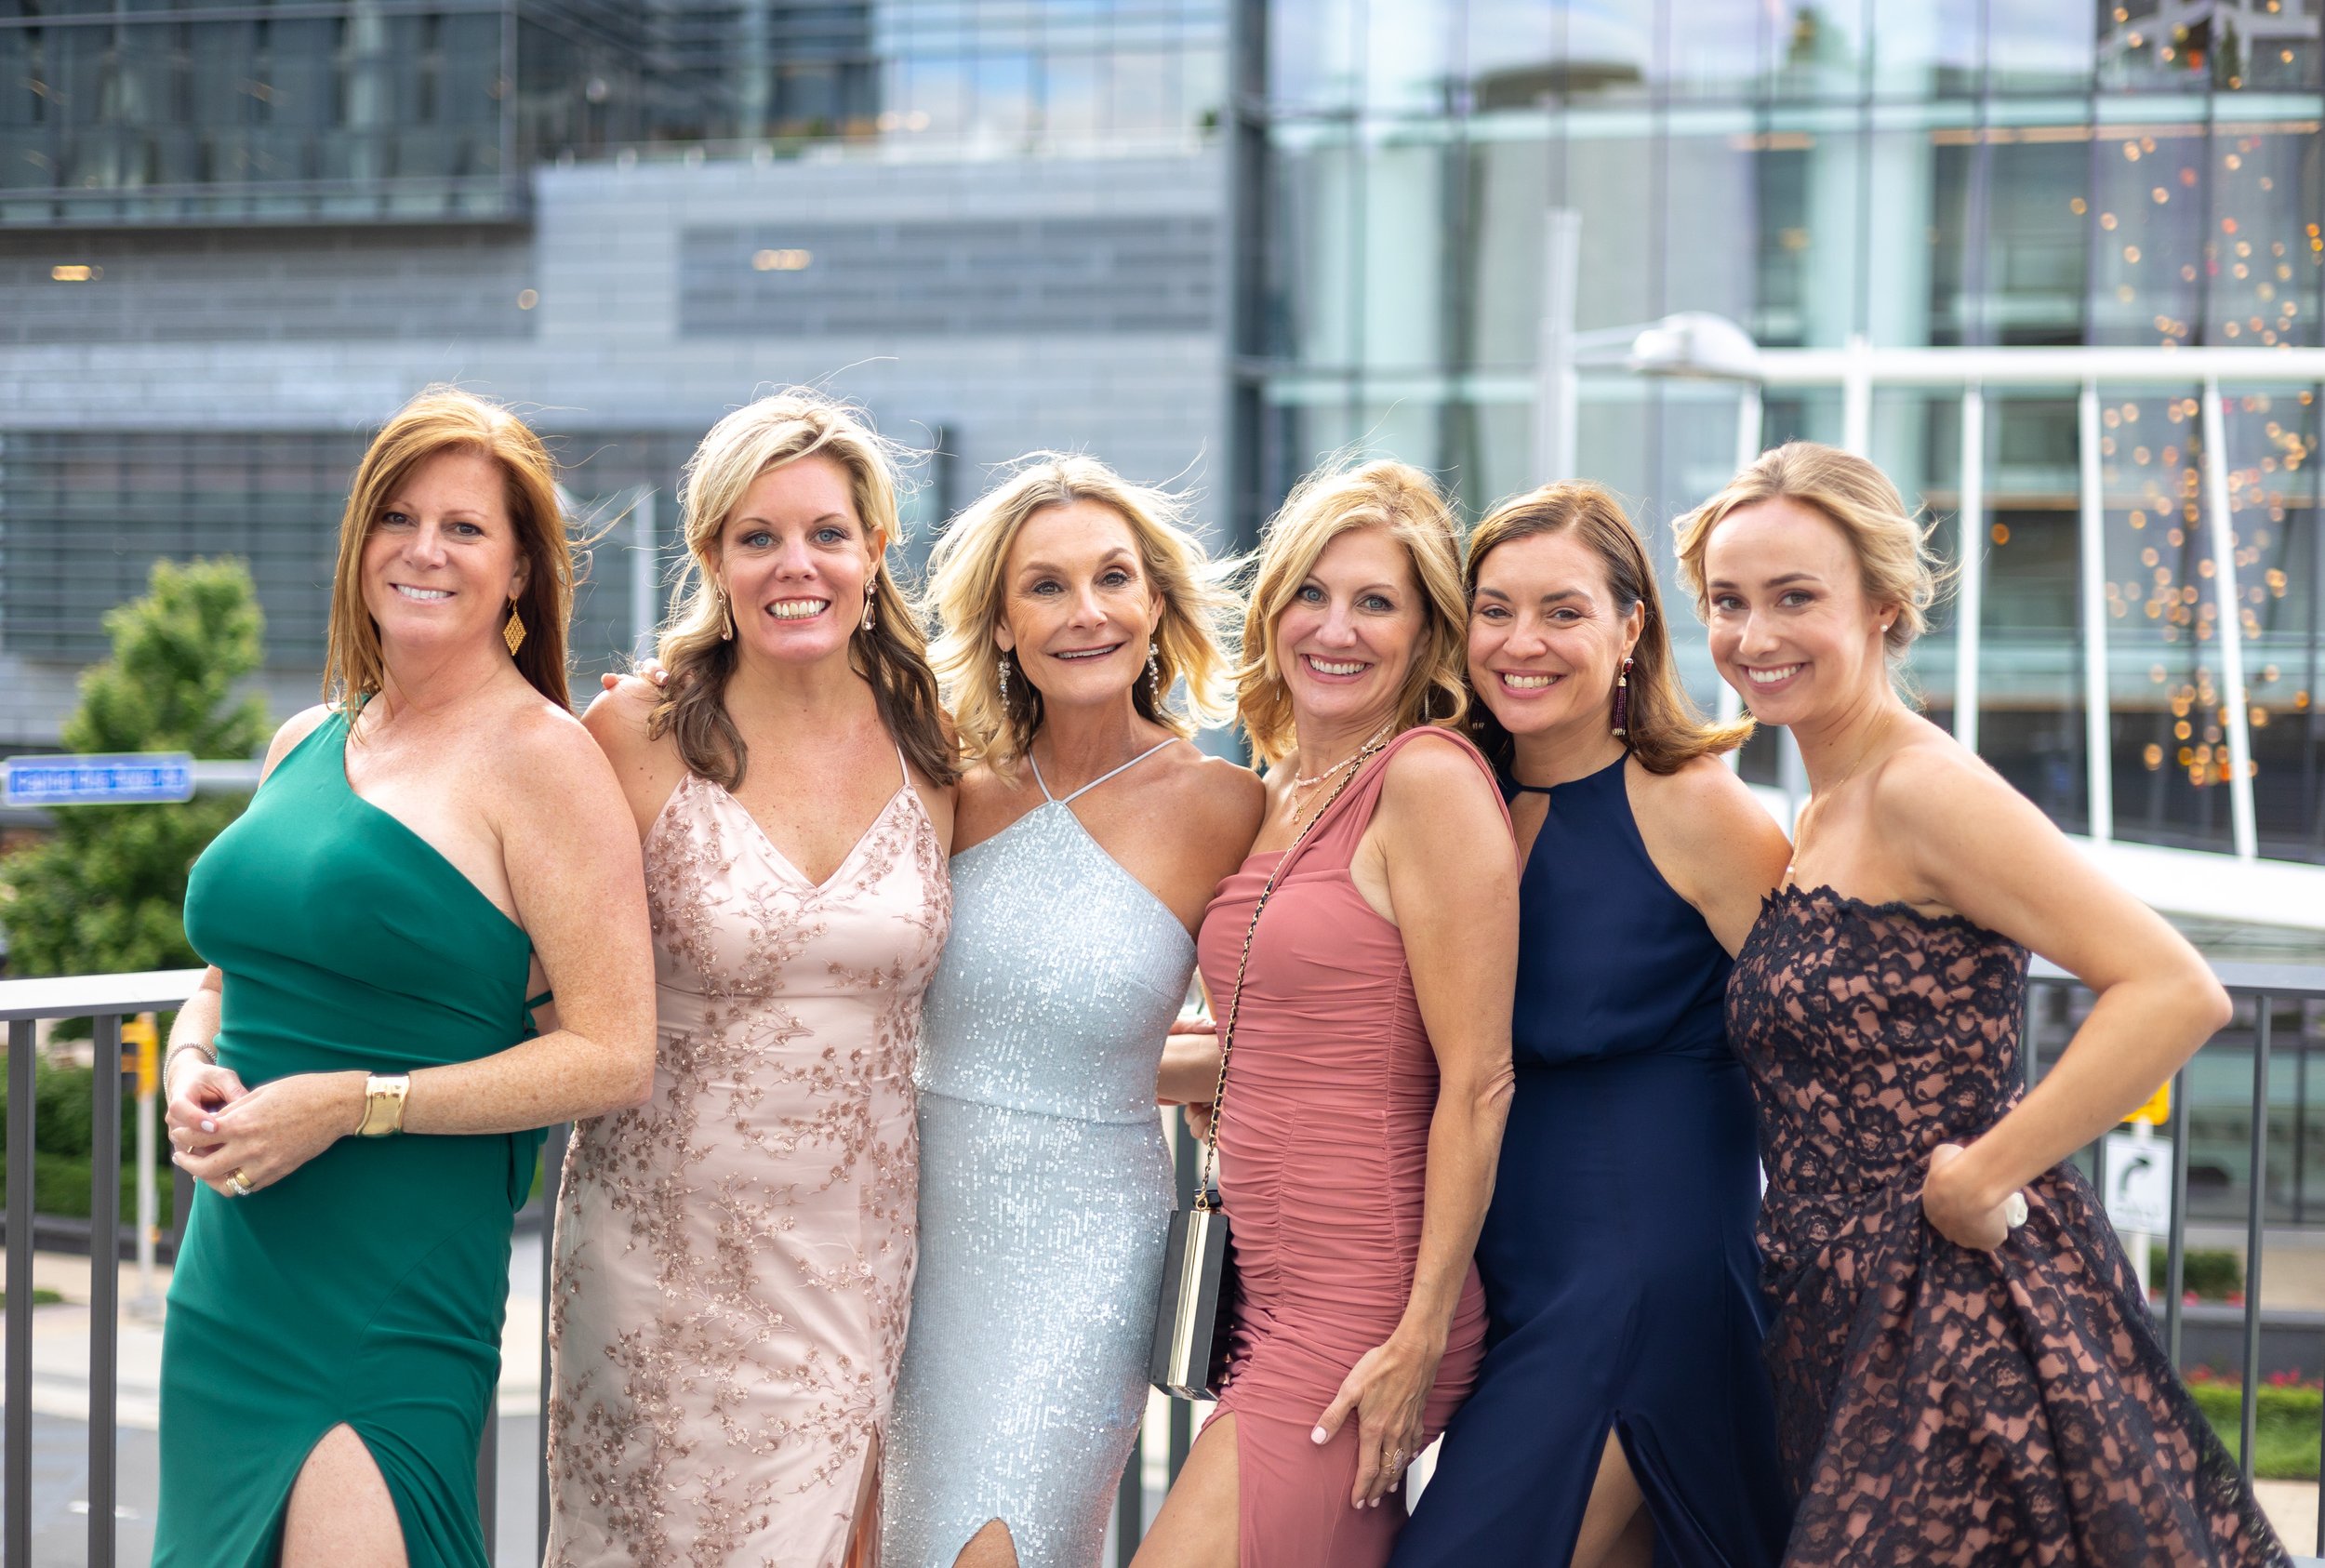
x,y
1196,1314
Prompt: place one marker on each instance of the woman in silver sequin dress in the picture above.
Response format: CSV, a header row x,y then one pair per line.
x,y
1091,835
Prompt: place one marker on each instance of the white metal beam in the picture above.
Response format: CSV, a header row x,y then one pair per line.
x,y
2035,366
2099,753
1970,562
2230,632
1857,397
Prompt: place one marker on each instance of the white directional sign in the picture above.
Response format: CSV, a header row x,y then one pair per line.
x,y
2139,1183
119,778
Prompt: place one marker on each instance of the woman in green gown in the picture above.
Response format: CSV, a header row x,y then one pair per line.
x,y
359,1081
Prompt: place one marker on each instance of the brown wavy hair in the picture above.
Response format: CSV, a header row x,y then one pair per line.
x,y
441,419
773,432
1668,730
1326,504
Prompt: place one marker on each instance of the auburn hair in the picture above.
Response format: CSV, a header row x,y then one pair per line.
x,y
1666,730
442,419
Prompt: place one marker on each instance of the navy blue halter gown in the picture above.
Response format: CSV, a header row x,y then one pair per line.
x,y
1620,1275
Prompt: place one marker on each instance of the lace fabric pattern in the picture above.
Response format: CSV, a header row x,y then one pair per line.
x,y
735,1258
1937,1404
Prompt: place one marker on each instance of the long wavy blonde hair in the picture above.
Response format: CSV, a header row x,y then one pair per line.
x,y
966,588
1323,506
442,419
776,430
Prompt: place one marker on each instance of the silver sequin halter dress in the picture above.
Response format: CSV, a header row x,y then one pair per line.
x,y
1046,1191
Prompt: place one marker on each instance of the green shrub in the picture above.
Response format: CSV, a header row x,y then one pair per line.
x,y
61,1188
2285,1428
2213,1273
64,1107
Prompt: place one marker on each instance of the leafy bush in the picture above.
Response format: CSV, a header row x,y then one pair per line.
x,y
64,1111
61,1182
2285,1429
2213,1273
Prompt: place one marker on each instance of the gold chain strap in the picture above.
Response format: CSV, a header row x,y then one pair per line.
x,y
1235,998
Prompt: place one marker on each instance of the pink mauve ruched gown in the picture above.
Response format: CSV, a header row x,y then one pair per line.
x,y
1324,1143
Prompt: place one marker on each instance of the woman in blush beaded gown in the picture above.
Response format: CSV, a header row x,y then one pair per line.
x,y
1620,1416
1368,1059
1966,1371
1089,833
734,1260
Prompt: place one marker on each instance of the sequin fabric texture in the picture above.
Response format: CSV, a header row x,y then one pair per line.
x,y
734,1259
1938,1405
1046,1198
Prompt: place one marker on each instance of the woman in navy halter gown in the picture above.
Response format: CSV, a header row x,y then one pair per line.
x,y
1622,1414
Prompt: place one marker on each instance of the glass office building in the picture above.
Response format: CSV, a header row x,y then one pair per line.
x,y
1956,175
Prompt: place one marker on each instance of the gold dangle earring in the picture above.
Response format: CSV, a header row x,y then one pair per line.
x,y
512,630
726,614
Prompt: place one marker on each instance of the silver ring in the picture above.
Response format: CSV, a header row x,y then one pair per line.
x,y
2014,1210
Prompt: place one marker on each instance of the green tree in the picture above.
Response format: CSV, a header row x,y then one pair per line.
x,y
106,894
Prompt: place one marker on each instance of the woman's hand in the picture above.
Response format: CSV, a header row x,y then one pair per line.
x,y
1387,1388
268,1132
202,1090
1955,1205
651,670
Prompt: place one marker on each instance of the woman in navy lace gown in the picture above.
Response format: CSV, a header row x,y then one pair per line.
x,y
1621,1416
1966,1371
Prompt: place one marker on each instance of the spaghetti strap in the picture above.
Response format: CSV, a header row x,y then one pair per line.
x,y
1095,782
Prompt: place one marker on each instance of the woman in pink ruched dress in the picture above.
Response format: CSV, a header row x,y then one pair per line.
x,y
1368,1069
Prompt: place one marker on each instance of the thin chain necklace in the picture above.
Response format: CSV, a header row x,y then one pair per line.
x,y
1300,785
1808,812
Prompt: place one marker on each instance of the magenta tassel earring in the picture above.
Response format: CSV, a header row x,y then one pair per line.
x,y
1622,702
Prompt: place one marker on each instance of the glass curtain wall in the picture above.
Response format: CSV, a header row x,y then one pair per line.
x,y
1954,173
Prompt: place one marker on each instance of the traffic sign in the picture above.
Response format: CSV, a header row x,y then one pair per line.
x,y
2139,1183
116,778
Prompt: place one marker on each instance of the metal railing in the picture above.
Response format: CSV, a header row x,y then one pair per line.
x,y
2263,994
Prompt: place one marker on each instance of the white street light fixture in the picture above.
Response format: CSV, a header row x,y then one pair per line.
x,y
1697,345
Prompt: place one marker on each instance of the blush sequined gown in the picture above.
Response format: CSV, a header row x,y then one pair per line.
x,y
1323,1153
734,1259
1936,1406
1047,1192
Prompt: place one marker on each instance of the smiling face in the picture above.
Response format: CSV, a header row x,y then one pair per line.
x,y
795,561
1077,609
1347,641
443,560
1546,637
1792,628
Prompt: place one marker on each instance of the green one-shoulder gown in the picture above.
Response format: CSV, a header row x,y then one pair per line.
x,y
369,1285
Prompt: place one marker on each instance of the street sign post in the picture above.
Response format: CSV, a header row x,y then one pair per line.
x,y
115,778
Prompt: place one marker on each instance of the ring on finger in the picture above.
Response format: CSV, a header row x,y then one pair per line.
x,y
239,1182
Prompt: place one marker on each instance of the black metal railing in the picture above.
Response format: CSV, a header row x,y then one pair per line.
x,y
2267,996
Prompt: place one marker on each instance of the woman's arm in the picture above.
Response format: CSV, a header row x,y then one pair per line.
x,y
1453,877
1983,849
1711,841
576,876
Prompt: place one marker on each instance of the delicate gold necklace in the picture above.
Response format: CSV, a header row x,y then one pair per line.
x,y
1800,829
1299,783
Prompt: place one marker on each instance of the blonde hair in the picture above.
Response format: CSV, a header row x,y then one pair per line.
x,y
1894,561
441,419
1323,506
773,432
966,588
1665,731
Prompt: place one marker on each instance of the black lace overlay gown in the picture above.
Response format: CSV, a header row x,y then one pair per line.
x,y
1937,1404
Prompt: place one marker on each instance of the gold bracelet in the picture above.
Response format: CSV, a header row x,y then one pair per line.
x,y
383,1104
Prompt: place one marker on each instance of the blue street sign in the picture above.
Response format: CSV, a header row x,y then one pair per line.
x,y
121,778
